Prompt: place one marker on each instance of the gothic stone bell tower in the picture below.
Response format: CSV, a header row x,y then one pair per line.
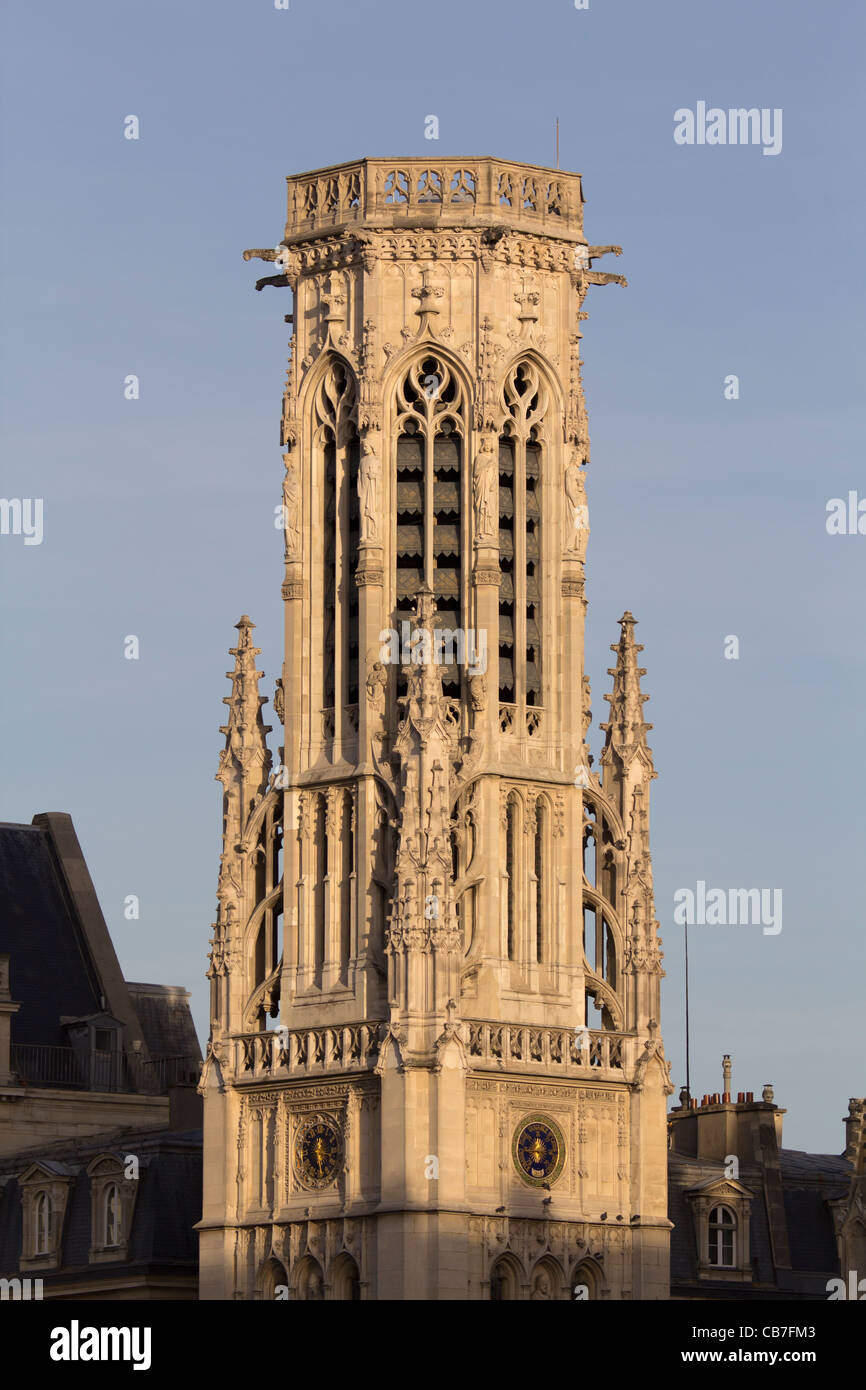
x,y
435,1069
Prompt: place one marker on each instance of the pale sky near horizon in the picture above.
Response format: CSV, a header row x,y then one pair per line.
x,y
708,515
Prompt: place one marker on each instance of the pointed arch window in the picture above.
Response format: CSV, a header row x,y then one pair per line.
x,y
512,828
526,400
347,881
599,944
337,532
320,864
542,870
429,549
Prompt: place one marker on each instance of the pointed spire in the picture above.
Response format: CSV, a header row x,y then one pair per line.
x,y
625,725
246,748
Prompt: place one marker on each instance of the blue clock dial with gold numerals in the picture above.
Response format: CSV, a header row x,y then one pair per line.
x,y
538,1149
318,1152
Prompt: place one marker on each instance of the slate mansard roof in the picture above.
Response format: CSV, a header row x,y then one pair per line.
x,y
62,962
53,974
809,1183
168,1204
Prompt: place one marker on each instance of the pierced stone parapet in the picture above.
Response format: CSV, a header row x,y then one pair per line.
x,y
307,1051
463,192
511,719
502,1046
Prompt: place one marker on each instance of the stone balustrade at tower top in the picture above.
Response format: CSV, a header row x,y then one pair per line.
x,y
422,192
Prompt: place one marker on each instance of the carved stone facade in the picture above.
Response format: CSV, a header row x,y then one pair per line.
x,y
435,1068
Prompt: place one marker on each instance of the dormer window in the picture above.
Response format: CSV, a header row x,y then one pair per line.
x,y
45,1188
112,1205
721,1212
97,1040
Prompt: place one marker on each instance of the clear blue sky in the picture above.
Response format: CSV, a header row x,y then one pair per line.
x,y
708,516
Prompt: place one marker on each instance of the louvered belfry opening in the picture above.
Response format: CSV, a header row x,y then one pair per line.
x,y
429,541
520,539
410,528
447,549
506,566
532,593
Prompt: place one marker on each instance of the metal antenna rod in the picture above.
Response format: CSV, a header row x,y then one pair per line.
x,y
687,1066
557,142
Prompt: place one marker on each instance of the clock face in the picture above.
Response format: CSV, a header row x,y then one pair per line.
x,y
318,1152
539,1150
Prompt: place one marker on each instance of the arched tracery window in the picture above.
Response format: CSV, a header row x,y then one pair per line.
x,y
430,431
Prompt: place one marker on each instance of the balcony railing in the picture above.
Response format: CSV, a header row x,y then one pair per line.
x,y
392,191
494,1046
503,1046
312,1050
66,1068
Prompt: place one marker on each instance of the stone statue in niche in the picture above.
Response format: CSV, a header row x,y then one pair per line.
x,y
587,712
542,1287
369,478
376,683
280,701
483,483
478,692
292,506
576,511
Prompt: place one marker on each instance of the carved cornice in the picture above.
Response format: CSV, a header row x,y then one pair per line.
x,y
529,252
